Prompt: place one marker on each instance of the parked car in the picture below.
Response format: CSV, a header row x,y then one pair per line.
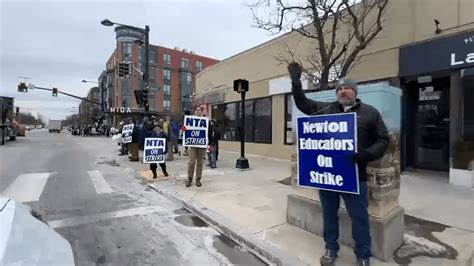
x,y
25,239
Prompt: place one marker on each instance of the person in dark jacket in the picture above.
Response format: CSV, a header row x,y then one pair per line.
x,y
150,133
372,141
213,137
134,144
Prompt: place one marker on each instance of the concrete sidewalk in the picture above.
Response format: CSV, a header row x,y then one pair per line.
x,y
250,207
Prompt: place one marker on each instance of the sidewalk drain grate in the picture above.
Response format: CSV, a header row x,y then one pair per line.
x,y
111,163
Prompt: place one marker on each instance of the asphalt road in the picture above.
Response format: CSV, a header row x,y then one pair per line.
x,y
108,216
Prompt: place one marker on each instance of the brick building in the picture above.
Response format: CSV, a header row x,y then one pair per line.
x,y
172,75
87,110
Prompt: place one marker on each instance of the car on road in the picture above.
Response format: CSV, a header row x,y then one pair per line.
x,y
25,239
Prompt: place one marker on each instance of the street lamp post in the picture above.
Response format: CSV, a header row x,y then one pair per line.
x,y
242,86
146,30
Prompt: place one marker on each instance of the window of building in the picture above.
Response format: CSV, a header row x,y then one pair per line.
x,y
185,63
199,65
152,56
166,89
166,105
263,120
153,78
126,87
166,74
126,51
189,78
166,59
289,134
152,74
258,120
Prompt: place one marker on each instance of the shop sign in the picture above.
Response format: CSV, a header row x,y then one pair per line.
x,y
451,52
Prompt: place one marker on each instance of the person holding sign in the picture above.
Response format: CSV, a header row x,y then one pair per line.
x,y
372,141
195,130
155,149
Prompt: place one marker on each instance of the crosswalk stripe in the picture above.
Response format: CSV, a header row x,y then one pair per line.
x,y
27,187
101,186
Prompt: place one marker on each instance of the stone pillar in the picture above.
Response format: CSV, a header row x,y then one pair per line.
x,y
383,180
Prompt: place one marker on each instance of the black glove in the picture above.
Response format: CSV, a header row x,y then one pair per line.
x,y
361,156
295,71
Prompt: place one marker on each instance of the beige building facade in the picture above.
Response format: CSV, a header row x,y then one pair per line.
x,y
407,23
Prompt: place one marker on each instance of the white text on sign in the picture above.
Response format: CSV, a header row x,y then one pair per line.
x,y
195,122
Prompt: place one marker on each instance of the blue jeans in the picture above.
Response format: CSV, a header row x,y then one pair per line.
x,y
356,206
212,158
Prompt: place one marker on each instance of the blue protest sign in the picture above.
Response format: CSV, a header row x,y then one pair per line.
x,y
195,131
325,145
154,150
127,131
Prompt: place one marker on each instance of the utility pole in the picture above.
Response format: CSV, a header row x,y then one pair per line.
x,y
147,67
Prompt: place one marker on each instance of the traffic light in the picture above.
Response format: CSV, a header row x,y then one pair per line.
x,y
124,69
22,87
55,92
145,97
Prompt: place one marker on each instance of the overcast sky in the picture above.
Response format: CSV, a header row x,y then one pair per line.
x,y
59,43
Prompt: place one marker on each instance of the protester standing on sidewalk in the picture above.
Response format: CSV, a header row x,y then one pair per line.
x,y
124,150
134,143
372,141
213,137
186,149
171,139
151,133
196,156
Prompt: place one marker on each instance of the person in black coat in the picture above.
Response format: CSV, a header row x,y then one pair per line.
x,y
372,141
213,137
150,133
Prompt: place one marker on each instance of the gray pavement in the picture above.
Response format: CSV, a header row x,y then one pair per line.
x,y
108,216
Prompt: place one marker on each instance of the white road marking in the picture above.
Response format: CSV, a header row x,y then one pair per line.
x,y
101,186
27,187
75,221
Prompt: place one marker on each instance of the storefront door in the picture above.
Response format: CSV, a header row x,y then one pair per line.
x,y
431,136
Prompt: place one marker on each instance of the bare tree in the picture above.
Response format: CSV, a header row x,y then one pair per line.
x,y
339,29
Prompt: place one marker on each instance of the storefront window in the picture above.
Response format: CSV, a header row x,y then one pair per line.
x,y
258,120
263,120
468,126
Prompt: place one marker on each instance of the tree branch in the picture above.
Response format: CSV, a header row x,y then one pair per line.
x,y
334,29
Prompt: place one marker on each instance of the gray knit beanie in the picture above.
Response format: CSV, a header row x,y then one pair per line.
x,y
347,82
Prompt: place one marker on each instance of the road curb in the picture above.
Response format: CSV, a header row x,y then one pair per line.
x,y
262,249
